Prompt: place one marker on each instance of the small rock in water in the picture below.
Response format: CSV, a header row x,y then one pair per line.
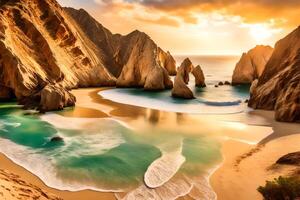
x,y
221,83
57,139
247,101
227,83
216,86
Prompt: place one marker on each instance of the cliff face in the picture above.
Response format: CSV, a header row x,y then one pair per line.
x,y
251,65
131,58
45,51
278,88
40,46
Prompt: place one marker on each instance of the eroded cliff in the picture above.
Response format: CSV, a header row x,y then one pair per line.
x,y
278,88
41,47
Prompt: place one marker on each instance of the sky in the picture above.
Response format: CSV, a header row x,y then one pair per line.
x,y
206,27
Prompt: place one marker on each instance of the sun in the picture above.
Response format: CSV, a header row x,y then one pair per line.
x,y
260,32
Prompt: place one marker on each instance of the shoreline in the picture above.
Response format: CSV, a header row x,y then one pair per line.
x,y
88,106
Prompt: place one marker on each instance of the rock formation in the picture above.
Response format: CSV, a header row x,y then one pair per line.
x,y
55,98
130,58
167,60
45,51
278,88
289,159
181,90
199,76
251,65
41,48
185,69
158,79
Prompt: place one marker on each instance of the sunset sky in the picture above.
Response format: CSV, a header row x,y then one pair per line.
x,y
198,26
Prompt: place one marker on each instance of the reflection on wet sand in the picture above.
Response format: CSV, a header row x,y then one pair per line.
x,y
225,126
159,125
81,112
153,116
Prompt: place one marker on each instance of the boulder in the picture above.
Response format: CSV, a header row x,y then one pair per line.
x,y
199,76
278,88
227,83
57,139
55,98
289,159
251,65
220,83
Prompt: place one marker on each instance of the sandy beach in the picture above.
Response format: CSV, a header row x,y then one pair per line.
x,y
245,166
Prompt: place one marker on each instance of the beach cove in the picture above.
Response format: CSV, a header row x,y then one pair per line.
x,y
233,134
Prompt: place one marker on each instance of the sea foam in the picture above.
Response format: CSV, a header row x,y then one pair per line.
x,y
164,168
167,103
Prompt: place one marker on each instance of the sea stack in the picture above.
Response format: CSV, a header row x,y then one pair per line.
x,y
199,76
181,90
251,65
278,88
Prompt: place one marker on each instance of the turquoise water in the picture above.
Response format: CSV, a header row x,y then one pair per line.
x,y
106,156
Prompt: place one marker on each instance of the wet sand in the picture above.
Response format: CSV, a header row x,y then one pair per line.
x,y
237,177
30,178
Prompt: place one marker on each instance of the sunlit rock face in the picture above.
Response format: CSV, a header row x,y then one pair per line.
x,y
41,46
278,88
181,90
158,79
251,65
130,58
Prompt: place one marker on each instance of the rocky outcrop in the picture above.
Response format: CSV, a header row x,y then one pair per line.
x,y
158,79
181,90
40,45
167,61
131,58
278,88
199,76
251,65
289,159
56,98
140,55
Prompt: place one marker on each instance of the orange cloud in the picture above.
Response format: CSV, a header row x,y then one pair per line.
x,y
164,20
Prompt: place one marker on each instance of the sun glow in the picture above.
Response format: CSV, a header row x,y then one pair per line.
x,y
260,32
